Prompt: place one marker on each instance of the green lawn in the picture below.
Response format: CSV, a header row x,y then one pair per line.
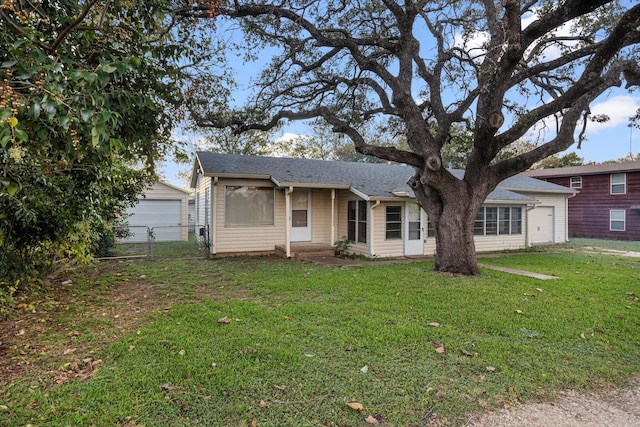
x,y
304,340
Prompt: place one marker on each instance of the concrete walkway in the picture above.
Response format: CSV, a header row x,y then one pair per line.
x,y
345,262
519,272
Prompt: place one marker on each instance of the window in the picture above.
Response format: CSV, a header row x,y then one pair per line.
x,y
504,220
516,221
576,182
249,206
618,183
394,223
357,221
491,221
617,220
478,225
431,232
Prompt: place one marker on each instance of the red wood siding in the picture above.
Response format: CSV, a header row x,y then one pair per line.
x,y
589,210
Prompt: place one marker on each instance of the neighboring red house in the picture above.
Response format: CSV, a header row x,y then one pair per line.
x,y
608,203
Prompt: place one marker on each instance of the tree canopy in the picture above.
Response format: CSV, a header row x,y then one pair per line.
x,y
495,69
89,94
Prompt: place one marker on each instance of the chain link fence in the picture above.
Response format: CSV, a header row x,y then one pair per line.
x,y
156,243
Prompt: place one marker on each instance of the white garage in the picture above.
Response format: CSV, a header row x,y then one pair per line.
x,y
163,210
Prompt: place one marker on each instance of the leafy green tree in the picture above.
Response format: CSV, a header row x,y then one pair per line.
x,y
494,68
557,161
89,93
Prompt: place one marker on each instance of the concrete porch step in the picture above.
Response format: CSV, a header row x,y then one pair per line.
x,y
303,251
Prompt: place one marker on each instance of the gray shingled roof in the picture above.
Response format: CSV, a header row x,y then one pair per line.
x,y
374,180
604,168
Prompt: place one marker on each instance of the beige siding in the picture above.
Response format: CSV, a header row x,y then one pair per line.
x,y
321,217
559,204
237,239
381,246
202,185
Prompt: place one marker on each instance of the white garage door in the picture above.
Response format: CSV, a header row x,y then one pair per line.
x,y
164,216
541,225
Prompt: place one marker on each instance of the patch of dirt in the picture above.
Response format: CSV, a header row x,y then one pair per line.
x,y
44,340
612,408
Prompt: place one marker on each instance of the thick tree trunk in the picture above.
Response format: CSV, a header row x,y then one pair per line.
x,y
455,248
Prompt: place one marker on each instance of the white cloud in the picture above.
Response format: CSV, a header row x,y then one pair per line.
x,y
619,108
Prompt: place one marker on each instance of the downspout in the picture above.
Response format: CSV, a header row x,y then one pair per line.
x,y
287,231
372,252
214,234
333,238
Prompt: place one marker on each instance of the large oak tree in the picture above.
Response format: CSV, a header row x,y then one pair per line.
x,y
496,69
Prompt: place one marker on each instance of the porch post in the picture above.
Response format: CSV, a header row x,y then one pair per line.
x,y
372,227
333,219
212,209
287,231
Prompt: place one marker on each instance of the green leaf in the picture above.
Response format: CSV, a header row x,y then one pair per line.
x,y
8,64
35,110
86,114
90,77
21,135
5,140
109,68
13,188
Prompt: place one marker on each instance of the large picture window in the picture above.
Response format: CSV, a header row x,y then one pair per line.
x,y
249,206
357,221
492,221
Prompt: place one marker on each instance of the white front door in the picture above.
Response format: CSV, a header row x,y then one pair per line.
x,y
301,216
413,240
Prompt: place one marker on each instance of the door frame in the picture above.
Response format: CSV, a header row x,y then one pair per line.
x,y
413,246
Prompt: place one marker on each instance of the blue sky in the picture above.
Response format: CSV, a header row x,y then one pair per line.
x,y
605,141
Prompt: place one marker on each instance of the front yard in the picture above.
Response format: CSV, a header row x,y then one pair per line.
x,y
270,342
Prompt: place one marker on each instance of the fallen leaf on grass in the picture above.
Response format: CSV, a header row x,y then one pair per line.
x,y
468,353
439,347
364,369
68,351
224,320
583,336
182,352
539,289
372,420
355,406
280,387
434,324
519,311
167,386
490,368
264,404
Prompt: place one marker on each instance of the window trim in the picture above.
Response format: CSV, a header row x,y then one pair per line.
x,y
623,184
397,222
623,220
575,182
